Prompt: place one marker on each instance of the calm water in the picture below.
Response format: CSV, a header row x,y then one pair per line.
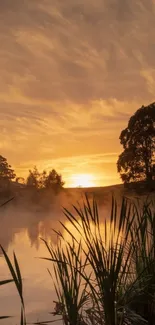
x,y
20,231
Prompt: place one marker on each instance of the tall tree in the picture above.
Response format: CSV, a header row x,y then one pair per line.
x,y
7,174
33,178
42,180
136,162
54,181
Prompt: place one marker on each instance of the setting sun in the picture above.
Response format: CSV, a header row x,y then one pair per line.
x,y
82,180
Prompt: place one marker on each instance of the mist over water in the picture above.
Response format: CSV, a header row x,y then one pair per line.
x,y
22,225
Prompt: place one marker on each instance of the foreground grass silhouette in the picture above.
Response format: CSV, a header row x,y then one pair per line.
x,y
106,274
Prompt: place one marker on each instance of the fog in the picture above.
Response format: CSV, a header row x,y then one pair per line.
x,y
23,222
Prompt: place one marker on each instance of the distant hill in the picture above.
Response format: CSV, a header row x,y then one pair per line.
x,y
118,190
101,193
94,189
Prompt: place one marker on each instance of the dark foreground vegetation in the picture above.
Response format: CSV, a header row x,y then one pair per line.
x,y
105,272
137,161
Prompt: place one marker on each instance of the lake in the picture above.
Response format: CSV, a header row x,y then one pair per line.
x,y
21,230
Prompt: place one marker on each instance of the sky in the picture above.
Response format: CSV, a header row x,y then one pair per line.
x,y
72,72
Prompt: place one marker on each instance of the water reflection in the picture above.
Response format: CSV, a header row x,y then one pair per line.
x,y
38,287
20,231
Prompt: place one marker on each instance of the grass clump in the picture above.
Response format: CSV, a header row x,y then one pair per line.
x,y
107,276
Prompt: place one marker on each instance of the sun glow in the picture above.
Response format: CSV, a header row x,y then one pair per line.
x,y
82,180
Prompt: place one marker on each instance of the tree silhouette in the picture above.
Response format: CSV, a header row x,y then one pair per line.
x,y
42,180
54,181
33,178
136,162
7,174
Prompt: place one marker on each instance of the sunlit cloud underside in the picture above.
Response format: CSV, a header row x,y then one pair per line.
x,y
72,73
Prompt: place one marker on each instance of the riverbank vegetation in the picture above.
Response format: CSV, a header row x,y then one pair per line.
x,y
104,271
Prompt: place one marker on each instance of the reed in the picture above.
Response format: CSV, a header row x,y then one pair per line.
x,y
17,279
112,282
104,269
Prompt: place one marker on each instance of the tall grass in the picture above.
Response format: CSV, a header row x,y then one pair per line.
x,y
104,269
144,260
17,279
118,267
68,270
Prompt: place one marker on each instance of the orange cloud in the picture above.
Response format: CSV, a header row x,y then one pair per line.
x,y
71,76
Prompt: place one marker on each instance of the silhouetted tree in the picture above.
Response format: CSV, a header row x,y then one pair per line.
x,y
43,180
136,162
7,174
54,181
33,178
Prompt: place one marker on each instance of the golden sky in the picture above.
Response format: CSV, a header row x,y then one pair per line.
x,y
71,74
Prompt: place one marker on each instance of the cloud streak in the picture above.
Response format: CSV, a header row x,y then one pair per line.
x,y
72,73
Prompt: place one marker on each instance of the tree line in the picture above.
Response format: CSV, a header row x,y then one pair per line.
x,y
135,164
35,179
